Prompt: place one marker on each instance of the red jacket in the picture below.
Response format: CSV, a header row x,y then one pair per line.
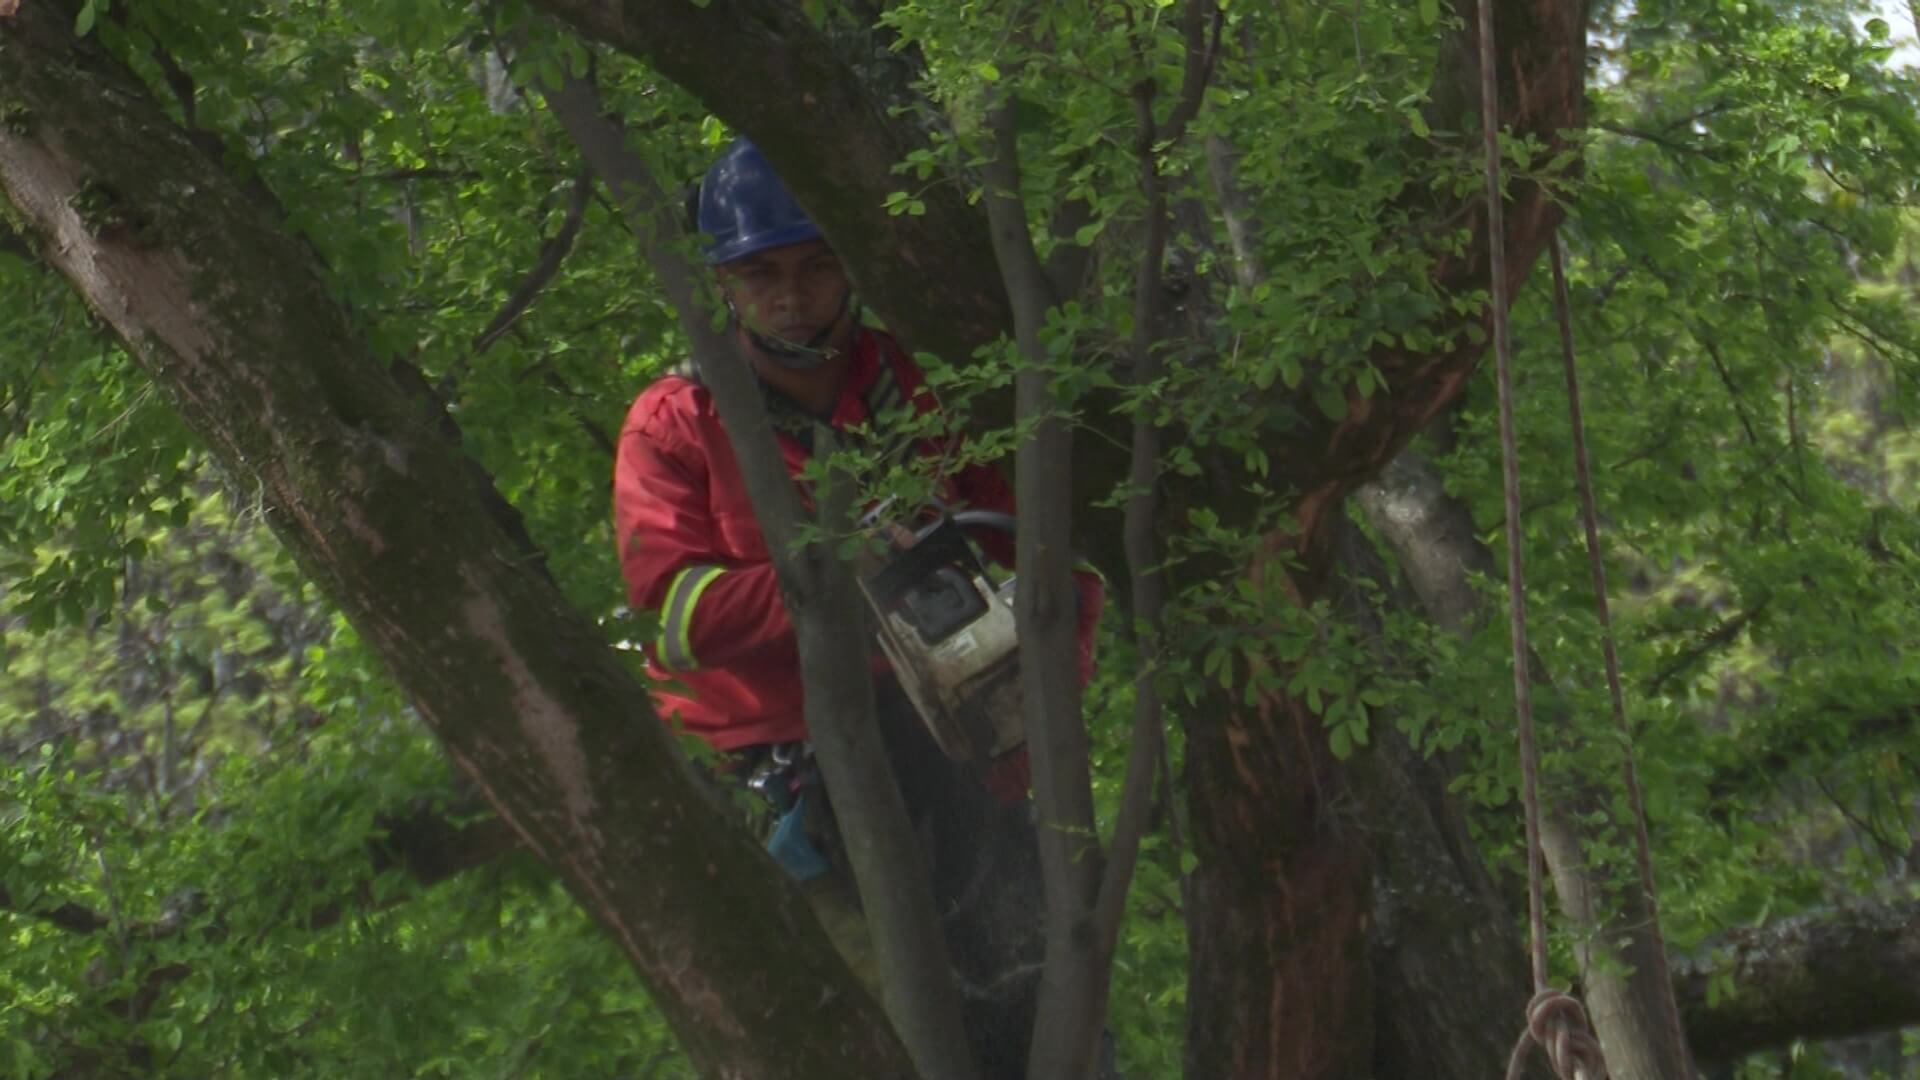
x,y
691,551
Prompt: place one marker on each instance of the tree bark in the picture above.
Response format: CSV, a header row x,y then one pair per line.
x,y
1067,1023
1447,958
231,316
1449,968
1824,975
1279,982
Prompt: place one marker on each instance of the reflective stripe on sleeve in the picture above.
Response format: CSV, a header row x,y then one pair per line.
x,y
676,651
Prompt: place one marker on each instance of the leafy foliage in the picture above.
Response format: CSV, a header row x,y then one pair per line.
x,y
201,760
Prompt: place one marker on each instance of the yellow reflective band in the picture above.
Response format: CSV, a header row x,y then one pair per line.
x,y
676,650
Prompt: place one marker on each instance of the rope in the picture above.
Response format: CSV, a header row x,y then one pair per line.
x,y
1510,475
1554,1020
1590,518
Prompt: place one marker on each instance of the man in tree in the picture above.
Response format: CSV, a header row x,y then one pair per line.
x,y
692,550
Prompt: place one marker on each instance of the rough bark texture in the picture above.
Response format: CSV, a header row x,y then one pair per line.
x,y
1828,975
1447,959
1280,985
1277,983
232,318
1449,969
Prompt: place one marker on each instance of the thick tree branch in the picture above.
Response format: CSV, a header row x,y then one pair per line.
x,y
1147,578
1825,975
1067,1025
232,317
1542,94
931,277
1202,54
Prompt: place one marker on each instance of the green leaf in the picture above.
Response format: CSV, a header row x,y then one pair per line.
x,y
83,22
1332,400
1429,12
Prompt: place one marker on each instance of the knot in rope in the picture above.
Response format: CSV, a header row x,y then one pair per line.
x,y
1557,1023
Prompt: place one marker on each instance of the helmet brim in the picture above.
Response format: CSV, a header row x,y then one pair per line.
x,y
735,250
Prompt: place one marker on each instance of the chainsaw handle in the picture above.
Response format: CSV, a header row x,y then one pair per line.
x,y
989,519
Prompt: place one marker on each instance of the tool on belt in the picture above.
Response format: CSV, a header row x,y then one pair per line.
x,y
789,781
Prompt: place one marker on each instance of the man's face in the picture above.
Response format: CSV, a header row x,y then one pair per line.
x,y
791,292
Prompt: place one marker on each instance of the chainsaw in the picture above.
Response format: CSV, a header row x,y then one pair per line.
x,y
946,625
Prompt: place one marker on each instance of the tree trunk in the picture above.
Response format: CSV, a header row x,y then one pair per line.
x,y
231,316
1450,976
1448,962
1280,984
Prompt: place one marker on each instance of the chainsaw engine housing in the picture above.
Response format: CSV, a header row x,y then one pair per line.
x,y
948,631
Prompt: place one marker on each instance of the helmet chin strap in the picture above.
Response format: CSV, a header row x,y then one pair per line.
x,y
795,356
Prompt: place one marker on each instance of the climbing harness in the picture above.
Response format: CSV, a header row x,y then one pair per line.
x,y
1556,1021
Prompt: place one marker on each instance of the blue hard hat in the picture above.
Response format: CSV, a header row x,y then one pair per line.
x,y
744,208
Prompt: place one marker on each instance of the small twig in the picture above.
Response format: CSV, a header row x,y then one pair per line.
x,y
552,254
114,911
1203,55
1714,639
1659,140
182,85
1726,379
1359,53
1889,850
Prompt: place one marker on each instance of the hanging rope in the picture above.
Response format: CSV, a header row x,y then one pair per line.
x,y
1555,1021
1629,768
